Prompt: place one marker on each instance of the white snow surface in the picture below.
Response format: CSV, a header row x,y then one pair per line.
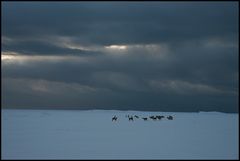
x,y
91,134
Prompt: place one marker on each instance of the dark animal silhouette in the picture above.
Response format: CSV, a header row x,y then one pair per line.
x,y
159,117
130,118
153,117
114,118
144,118
136,116
170,118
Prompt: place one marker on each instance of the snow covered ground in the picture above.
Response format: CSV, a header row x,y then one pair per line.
x,y
63,134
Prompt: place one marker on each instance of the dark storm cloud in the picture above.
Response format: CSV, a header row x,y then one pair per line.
x,y
110,23
178,56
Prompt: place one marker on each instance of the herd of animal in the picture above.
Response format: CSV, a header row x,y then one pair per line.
x,y
157,117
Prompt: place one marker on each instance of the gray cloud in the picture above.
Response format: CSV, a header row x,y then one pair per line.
x,y
165,56
123,22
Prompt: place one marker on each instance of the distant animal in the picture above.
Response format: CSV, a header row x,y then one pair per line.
x,y
144,118
136,116
114,118
153,117
130,118
159,117
170,118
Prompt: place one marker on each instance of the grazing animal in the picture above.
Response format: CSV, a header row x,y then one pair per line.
x,y
114,118
130,118
144,118
136,116
170,118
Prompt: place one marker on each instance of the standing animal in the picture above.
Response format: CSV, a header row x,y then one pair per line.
x,y
136,116
130,118
144,118
153,117
170,118
114,118
159,117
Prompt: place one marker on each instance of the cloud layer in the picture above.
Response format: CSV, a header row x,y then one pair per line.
x,y
167,56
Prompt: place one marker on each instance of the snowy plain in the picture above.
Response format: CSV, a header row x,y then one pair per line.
x,y
91,134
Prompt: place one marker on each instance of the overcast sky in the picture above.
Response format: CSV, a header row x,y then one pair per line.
x,y
162,56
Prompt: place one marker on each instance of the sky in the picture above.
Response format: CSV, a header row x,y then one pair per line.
x,y
151,56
